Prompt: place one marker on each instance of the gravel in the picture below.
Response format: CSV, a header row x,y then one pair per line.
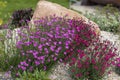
x,y
60,72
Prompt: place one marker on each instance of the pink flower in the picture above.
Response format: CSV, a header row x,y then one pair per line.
x,y
79,51
45,68
96,68
93,61
41,58
79,65
55,58
31,68
81,55
40,47
52,48
73,59
79,75
65,53
118,65
60,42
37,63
35,44
23,68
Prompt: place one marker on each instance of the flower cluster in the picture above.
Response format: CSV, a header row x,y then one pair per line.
x,y
95,61
45,44
84,35
49,41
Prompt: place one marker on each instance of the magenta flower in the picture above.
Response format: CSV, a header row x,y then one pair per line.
x,y
23,68
53,39
40,47
81,55
55,58
79,75
97,58
93,61
35,44
44,67
52,48
37,63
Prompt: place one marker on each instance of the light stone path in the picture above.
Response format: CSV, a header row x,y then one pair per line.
x,y
81,8
84,9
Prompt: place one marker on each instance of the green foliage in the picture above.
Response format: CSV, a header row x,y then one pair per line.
x,y
2,5
2,43
6,61
25,4
8,51
117,67
117,70
16,5
36,75
2,47
107,18
64,3
13,5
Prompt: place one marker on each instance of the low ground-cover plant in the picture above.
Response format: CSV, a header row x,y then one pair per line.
x,y
107,18
36,75
45,44
94,62
58,39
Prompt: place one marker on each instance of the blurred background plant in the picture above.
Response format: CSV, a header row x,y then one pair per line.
x,y
20,18
108,18
13,5
2,6
64,3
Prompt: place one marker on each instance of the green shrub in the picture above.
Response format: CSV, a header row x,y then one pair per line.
x,y
36,75
107,18
8,51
